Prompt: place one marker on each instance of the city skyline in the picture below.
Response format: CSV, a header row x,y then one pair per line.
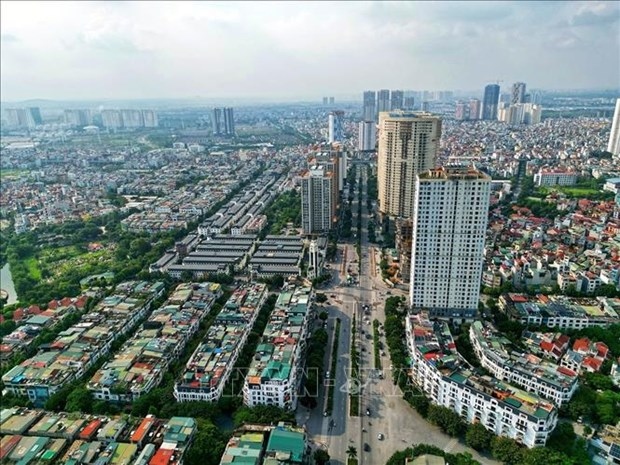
x,y
125,50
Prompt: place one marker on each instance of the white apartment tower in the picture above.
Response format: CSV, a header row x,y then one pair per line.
x,y
449,227
367,136
313,255
408,145
317,209
336,130
614,138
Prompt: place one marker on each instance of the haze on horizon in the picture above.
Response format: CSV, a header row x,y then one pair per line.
x,y
297,50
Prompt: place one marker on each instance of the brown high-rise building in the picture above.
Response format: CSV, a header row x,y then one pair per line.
x,y
408,144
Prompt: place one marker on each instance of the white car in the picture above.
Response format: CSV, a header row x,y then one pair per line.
x,y
380,436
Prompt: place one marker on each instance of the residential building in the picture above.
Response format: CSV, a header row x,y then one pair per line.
x,y
278,256
223,121
445,378
144,359
212,363
560,312
403,238
276,368
585,356
22,117
490,102
409,104
613,145
216,121
111,119
367,136
79,347
78,118
383,101
518,93
474,109
449,229
546,380
317,208
132,119
369,110
229,121
314,260
396,101
606,444
461,111
547,177
408,144
150,118
336,126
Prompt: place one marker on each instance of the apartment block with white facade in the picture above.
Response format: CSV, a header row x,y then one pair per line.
x,y
555,177
275,372
525,370
212,363
449,228
447,380
317,204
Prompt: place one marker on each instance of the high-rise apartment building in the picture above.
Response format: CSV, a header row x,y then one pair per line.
x,y
490,102
396,102
132,119
519,113
614,137
332,100
367,136
229,122
223,122
78,118
383,101
150,119
324,100
474,109
317,210
336,126
369,105
111,119
461,111
518,93
23,117
408,144
409,103
449,228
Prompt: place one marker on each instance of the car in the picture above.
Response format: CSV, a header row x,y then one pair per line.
x,y
367,412
325,413
366,447
327,375
382,354
380,436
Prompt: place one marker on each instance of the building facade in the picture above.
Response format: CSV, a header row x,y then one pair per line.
x,y
367,136
317,209
449,228
336,126
397,100
490,102
383,101
614,137
408,144
518,93
369,106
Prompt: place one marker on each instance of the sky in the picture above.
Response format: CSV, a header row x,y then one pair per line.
x,y
300,50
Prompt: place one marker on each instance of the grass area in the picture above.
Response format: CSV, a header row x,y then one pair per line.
x,y
535,199
33,268
89,263
375,340
334,363
61,253
11,173
354,381
352,462
579,191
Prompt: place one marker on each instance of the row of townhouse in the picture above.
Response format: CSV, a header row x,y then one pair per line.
x,y
276,368
79,347
445,378
144,359
213,361
525,370
559,311
31,437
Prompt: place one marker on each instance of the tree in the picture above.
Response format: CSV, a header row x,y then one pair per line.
x,y
506,450
321,457
320,297
80,400
323,316
351,452
478,437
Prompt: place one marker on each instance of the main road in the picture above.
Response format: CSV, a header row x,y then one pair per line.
x,y
399,425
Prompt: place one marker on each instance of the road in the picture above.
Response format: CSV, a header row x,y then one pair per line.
x,y
400,425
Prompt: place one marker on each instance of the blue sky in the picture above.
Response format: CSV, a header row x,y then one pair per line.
x,y
82,50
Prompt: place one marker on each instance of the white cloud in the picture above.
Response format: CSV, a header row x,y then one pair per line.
x,y
286,49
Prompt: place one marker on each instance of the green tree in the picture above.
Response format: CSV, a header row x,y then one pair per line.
x,y
506,450
478,437
321,457
323,316
351,452
80,400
